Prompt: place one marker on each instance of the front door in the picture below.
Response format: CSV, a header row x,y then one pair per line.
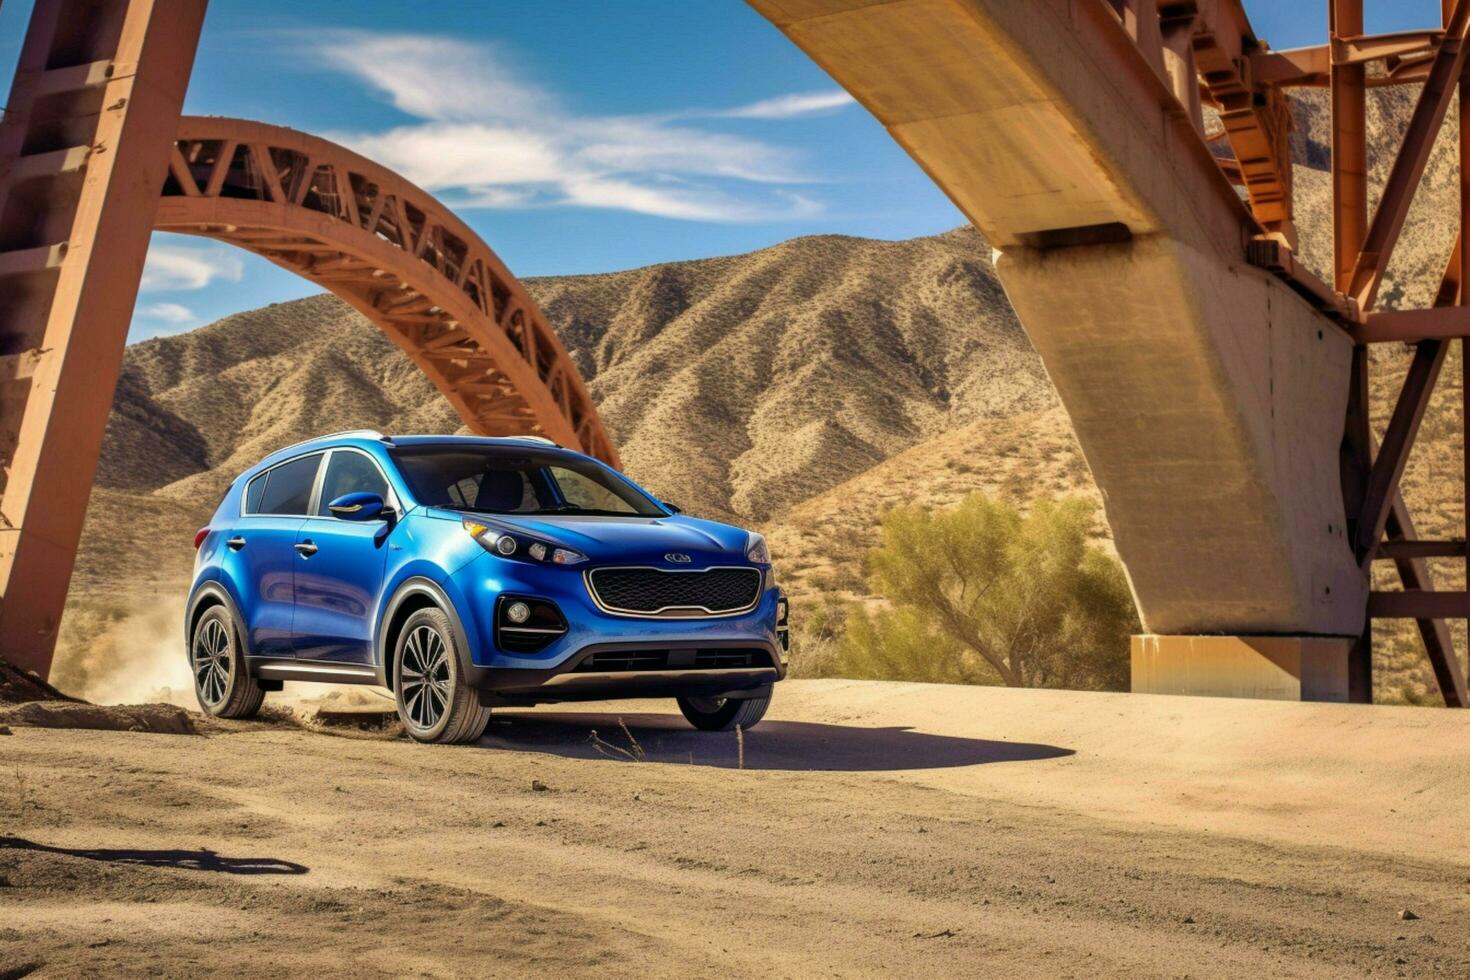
x,y
339,566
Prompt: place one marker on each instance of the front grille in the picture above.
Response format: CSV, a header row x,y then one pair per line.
x,y
622,661
652,591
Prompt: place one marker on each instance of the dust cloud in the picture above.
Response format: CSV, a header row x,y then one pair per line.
x,y
111,656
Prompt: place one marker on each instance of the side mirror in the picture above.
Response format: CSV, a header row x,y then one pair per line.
x,y
360,506
673,507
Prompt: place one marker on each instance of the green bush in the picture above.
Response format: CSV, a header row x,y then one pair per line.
x,y
817,626
980,594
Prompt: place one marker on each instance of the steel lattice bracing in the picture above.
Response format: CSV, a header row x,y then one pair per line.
x,y
397,255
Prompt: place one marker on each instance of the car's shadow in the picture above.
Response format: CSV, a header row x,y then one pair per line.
x,y
200,860
778,745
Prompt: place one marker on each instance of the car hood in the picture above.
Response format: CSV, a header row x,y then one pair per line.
x,y
628,539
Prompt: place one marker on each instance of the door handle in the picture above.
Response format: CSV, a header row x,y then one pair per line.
x,y
236,543
306,549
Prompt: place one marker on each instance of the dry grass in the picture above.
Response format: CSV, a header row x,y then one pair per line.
x,y
633,753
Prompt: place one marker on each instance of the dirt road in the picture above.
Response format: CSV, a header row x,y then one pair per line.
x,y
876,829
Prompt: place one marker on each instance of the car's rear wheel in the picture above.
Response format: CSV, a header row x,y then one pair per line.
x,y
222,680
724,714
434,702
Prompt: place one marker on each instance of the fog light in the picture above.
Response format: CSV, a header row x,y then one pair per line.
x,y
505,544
518,612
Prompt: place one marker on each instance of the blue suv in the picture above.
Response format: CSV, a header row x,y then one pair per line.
x,y
464,573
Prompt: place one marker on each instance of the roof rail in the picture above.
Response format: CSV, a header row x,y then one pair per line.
x,y
540,439
345,433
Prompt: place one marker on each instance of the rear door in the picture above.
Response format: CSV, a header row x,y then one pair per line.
x,y
339,566
262,555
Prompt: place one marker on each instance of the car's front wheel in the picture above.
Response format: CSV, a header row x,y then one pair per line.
x,y
434,702
222,681
724,714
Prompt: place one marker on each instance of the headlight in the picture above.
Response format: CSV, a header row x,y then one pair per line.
x,y
491,539
505,545
757,551
566,556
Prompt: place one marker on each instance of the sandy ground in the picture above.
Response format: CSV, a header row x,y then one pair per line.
x,y
876,829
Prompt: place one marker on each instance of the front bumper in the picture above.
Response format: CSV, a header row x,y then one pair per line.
x,y
695,651
583,676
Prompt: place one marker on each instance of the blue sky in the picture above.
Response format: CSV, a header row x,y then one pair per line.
x,y
573,135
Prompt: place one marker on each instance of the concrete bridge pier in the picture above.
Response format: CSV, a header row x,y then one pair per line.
x,y
1208,399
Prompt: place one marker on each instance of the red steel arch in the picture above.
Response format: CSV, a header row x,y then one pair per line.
x,y
398,256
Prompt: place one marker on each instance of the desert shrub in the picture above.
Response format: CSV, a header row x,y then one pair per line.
x,y
817,624
813,655
980,594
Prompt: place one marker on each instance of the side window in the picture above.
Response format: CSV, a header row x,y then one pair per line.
x,y
588,494
288,491
349,472
253,492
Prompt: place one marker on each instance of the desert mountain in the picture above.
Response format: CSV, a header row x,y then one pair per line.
x,y
805,388
738,386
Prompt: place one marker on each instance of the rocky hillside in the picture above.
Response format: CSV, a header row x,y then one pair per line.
x,y
738,385
805,388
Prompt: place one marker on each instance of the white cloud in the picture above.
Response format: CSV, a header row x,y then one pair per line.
x,y
487,136
790,106
644,145
690,204
175,267
437,78
172,313
438,155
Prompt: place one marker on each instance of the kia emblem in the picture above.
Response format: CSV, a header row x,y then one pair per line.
x,y
677,557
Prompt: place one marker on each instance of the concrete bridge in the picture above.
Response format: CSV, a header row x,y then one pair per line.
x,y
1207,376
1217,389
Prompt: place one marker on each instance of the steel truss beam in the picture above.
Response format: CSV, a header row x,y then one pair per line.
x,y
1414,574
1393,455
85,134
1413,155
1361,257
395,254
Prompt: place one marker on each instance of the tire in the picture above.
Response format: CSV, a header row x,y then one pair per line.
x,y
724,714
222,680
434,702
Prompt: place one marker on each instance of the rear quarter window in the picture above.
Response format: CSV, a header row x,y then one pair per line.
x,y
254,490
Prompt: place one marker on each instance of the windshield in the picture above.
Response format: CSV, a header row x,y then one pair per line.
x,y
502,480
